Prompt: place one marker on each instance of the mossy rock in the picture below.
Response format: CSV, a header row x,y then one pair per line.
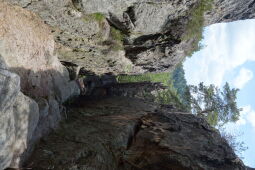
x,y
99,17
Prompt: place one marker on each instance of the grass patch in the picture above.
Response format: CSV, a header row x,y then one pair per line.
x,y
99,17
117,39
148,77
194,29
116,35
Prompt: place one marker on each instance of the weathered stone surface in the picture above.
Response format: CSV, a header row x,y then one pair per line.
x,y
152,30
27,47
18,119
116,36
84,36
26,117
9,89
231,10
129,134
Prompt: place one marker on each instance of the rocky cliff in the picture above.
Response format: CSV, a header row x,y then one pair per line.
x,y
131,36
117,36
228,11
99,37
33,85
119,133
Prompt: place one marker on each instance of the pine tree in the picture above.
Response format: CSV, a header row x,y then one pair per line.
x,y
219,107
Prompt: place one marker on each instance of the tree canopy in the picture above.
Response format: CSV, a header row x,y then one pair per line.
x,y
218,106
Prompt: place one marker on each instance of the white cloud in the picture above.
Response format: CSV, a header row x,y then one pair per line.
x,y
243,78
243,114
227,46
247,116
251,118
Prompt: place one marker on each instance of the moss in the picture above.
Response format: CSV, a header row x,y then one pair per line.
x,y
99,17
117,39
117,35
194,29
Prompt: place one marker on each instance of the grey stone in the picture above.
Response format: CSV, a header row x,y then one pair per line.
x,y
153,31
18,118
43,107
26,117
9,89
230,10
120,133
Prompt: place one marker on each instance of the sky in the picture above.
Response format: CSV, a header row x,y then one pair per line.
x,y
228,55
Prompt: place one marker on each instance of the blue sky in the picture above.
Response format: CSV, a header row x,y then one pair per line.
x,y
229,55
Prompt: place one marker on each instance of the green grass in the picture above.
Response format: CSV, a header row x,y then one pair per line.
x,y
148,77
99,17
116,34
194,29
117,39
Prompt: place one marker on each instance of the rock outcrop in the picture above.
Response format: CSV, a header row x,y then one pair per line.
x,y
98,37
30,73
19,116
231,10
131,36
27,47
129,134
117,36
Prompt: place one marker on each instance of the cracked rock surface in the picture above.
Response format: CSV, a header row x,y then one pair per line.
x,y
129,134
128,36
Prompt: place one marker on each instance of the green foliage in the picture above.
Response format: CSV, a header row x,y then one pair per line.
x,y
194,29
117,34
99,17
117,39
170,96
218,107
180,84
148,77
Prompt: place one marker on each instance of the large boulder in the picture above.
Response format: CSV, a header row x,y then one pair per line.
x,y
26,117
27,47
9,90
18,119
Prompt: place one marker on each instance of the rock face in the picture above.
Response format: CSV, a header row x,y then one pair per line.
x,y
97,37
119,36
27,47
28,66
19,116
130,36
129,134
228,11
